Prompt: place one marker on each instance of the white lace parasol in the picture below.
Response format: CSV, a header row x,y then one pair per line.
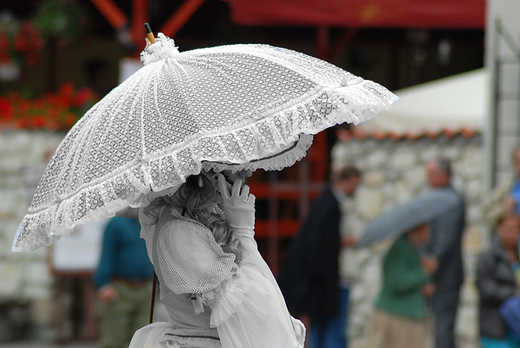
x,y
225,107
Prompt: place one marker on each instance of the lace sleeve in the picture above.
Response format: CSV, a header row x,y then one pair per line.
x,y
190,260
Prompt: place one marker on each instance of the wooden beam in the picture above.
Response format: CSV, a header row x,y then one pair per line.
x,y
140,16
180,17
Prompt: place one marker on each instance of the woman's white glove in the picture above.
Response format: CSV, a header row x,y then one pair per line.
x,y
238,205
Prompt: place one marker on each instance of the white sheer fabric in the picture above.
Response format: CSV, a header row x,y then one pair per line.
x,y
241,305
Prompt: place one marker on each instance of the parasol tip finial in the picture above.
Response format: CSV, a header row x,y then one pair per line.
x,y
149,33
163,48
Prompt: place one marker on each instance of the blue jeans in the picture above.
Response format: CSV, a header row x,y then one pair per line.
x,y
333,334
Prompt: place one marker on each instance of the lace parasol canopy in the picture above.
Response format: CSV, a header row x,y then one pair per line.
x,y
227,107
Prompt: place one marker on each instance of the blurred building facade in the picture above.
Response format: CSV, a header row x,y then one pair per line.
x,y
502,60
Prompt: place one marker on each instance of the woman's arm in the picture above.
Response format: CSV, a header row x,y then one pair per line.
x,y
189,259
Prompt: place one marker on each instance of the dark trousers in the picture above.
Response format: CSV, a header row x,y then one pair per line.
x,y
334,333
444,307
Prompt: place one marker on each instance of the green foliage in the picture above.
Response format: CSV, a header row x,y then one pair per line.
x,y
60,19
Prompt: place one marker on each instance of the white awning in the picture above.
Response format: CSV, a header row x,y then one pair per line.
x,y
453,103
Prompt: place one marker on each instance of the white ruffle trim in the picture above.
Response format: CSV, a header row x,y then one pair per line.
x,y
164,47
226,298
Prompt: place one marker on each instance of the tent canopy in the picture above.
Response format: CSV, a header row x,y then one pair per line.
x,y
453,103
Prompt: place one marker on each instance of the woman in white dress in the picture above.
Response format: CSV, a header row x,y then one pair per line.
x,y
215,285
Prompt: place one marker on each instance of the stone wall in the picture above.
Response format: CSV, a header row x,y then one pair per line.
x,y
394,172
26,278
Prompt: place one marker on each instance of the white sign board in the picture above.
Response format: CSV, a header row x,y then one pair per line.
x,y
80,250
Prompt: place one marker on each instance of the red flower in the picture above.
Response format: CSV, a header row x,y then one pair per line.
x,y
67,89
39,122
83,96
24,106
23,123
51,111
6,110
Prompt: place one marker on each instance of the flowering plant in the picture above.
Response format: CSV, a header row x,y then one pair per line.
x,y
21,42
52,111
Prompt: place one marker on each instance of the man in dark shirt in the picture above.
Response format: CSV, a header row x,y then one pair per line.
x,y
310,275
124,278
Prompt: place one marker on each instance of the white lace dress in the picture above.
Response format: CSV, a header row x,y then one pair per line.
x,y
212,302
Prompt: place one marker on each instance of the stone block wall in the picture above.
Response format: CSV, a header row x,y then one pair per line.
x,y
394,172
26,278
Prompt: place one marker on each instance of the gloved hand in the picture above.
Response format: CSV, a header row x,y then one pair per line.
x,y
238,205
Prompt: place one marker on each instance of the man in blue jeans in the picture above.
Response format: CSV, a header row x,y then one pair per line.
x,y
310,274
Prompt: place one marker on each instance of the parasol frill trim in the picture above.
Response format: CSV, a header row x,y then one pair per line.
x,y
164,47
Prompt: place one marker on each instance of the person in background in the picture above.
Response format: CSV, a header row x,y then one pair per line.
x,y
400,317
497,280
445,245
124,279
310,274
505,199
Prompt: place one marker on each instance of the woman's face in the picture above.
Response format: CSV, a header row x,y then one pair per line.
x,y
509,232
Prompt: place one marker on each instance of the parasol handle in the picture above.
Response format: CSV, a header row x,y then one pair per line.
x,y
154,289
149,33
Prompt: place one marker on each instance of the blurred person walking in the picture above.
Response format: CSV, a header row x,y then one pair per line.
x,y
310,274
400,317
124,278
445,245
498,275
